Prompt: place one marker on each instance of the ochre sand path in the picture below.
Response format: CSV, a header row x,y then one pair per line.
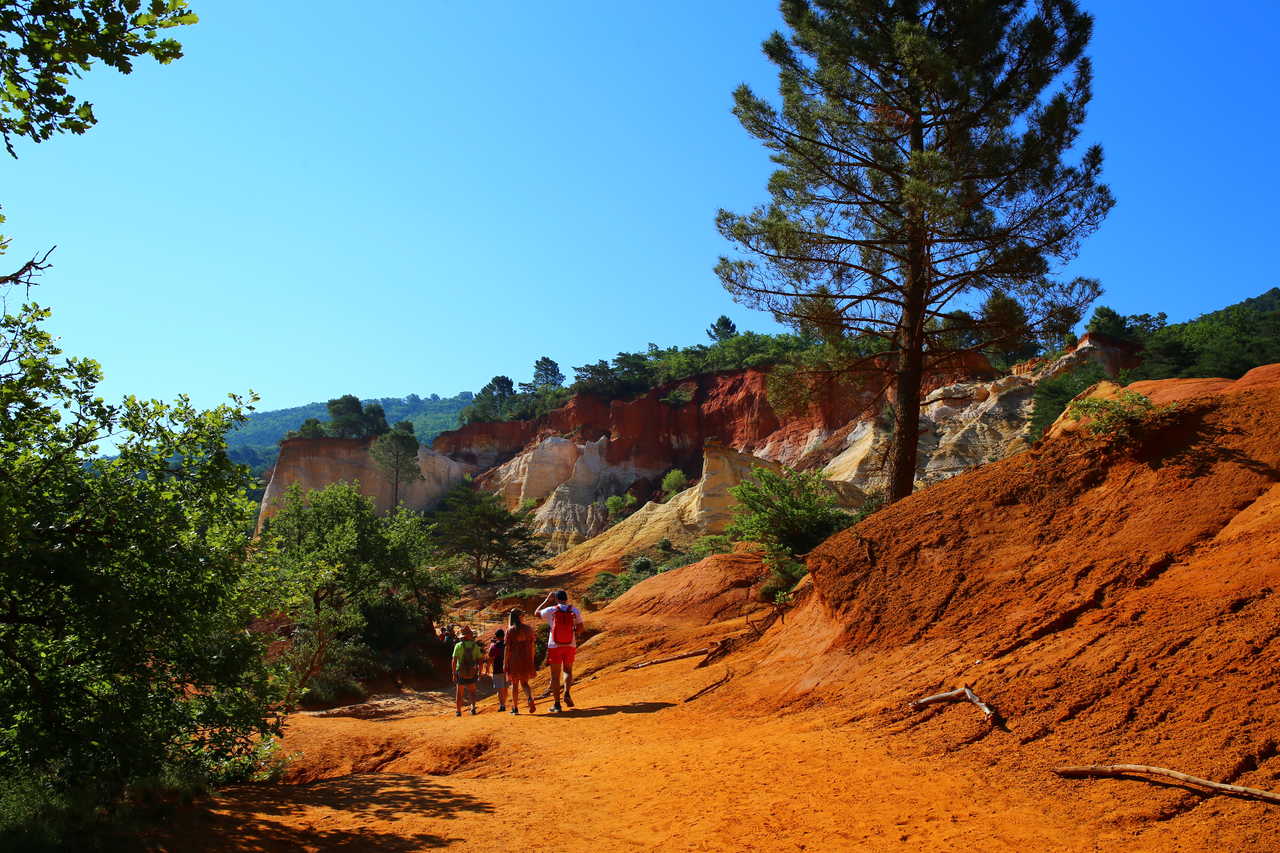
x,y
637,769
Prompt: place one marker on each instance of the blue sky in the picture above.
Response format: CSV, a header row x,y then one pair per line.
x,y
326,198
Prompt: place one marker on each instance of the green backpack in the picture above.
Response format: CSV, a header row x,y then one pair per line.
x,y
469,660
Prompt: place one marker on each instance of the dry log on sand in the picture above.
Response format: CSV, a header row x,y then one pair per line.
x,y
963,694
1122,770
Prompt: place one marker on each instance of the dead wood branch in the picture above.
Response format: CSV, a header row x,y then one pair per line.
x,y
1123,770
718,650
728,676
962,694
642,664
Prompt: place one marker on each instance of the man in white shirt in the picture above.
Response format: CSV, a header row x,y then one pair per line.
x,y
562,642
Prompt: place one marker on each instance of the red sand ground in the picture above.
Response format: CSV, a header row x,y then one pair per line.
x,y
1115,607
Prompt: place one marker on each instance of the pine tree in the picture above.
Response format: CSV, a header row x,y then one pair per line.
x,y
396,453
722,329
922,150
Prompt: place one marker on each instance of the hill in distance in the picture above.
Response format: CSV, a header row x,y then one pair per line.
x,y
256,442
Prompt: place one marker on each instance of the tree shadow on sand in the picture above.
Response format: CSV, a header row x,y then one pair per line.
x,y
382,797
605,710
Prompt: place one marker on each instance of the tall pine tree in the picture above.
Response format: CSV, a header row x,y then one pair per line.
x,y
922,150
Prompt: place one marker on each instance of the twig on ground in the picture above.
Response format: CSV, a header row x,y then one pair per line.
x,y
712,686
1122,770
642,664
962,694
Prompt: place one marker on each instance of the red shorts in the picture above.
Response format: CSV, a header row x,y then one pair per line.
x,y
562,655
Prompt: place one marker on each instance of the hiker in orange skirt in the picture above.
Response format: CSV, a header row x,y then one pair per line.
x,y
518,662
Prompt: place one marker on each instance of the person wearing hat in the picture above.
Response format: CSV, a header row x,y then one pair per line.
x,y
467,658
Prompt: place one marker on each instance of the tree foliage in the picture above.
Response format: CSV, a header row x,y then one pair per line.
x,y
477,528
922,160
721,330
789,512
396,453
123,588
48,42
338,569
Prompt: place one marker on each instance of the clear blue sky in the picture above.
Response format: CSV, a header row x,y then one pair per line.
x,y
326,197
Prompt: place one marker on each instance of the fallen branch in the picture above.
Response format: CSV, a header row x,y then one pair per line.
x,y
642,664
963,694
1121,770
718,649
704,691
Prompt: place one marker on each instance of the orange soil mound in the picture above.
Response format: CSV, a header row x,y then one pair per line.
x,y
722,586
1116,607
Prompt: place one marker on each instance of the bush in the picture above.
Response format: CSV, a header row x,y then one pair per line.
x,y
674,481
679,397
789,512
642,566
1121,419
1053,395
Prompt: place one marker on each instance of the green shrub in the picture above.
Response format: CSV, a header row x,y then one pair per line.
x,y
674,481
789,512
680,396
1120,419
642,565
665,545
1053,395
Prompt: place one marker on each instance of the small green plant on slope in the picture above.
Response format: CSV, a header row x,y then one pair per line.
x,y
788,512
674,481
1119,420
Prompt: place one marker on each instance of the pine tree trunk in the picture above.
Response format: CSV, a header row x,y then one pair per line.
x,y
906,435
910,372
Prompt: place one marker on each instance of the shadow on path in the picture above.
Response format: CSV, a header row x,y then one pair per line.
x,y
604,710
247,820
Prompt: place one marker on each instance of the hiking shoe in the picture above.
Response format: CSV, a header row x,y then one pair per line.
x,y
502,708
457,713
556,709
473,710
568,700
515,711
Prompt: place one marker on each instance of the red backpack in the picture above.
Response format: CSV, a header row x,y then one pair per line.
x,y
562,627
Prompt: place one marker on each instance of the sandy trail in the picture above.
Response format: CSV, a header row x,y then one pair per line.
x,y
635,768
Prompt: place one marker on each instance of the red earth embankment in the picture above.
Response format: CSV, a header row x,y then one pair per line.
x,y
1117,605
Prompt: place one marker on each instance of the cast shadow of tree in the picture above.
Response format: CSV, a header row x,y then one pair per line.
x,y
384,797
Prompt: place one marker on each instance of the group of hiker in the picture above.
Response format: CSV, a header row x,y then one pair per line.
x,y
510,658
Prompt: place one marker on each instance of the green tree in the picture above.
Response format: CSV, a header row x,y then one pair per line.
x,y
722,329
674,481
789,512
474,526
396,453
48,42
922,158
123,650
334,560
546,374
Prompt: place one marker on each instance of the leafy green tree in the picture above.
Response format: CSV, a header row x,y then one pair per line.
x,y
922,152
546,375
311,428
123,650
396,453
475,527
335,561
674,481
1007,329
789,512
349,418
722,329
48,42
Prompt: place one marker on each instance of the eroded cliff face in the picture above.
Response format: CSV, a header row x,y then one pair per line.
x,y
568,462
313,463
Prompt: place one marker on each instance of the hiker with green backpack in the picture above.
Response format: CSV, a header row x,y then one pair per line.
x,y
565,621
467,657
